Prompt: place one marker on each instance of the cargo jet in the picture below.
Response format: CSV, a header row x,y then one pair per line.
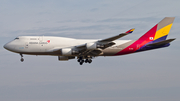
x,y
85,50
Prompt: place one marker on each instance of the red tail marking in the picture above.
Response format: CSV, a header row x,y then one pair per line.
x,y
140,42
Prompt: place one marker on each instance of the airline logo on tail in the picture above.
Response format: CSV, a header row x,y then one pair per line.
x,y
159,32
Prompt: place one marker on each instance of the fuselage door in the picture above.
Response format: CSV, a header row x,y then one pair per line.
x,y
138,46
26,44
40,39
41,44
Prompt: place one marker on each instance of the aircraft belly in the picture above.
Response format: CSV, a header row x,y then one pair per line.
x,y
113,50
110,52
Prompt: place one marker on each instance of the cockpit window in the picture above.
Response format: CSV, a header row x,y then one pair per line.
x,y
16,38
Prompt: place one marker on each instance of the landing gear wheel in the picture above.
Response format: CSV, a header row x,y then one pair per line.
x,y
22,59
81,62
86,60
89,61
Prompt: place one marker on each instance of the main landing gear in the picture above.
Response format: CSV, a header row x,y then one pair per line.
x,y
81,60
22,59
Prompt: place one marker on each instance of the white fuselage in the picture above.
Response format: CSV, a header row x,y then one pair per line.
x,y
44,45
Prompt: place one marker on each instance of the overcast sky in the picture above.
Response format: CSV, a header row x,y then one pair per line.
x,y
146,76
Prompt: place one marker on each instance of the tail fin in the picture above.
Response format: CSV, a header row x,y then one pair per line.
x,y
160,30
163,28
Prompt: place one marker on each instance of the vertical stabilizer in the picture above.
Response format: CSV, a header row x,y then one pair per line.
x,y
163,28
159,32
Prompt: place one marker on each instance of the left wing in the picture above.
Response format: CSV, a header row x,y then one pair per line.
x,y
117,36
89,49
95,47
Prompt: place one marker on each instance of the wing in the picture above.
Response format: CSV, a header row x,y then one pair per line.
x,y
89,49
96,47
117,36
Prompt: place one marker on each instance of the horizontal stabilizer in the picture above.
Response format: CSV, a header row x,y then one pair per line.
x,y
161,42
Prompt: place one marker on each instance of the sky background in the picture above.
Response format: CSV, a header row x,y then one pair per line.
x,y
146,76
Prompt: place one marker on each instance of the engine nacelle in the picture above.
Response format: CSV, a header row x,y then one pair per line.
x,y
69,52
66,51
65,58
91,46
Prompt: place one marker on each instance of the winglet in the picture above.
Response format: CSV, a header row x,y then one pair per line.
x,y
131,30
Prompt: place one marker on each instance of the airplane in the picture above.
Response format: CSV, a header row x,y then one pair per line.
x,y
87,49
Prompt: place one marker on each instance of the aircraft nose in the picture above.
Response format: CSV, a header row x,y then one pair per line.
x,y
8,46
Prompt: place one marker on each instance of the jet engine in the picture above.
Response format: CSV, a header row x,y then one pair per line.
x,y
68,52
65,58
91,46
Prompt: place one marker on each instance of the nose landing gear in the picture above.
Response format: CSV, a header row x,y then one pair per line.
x,y
21,58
